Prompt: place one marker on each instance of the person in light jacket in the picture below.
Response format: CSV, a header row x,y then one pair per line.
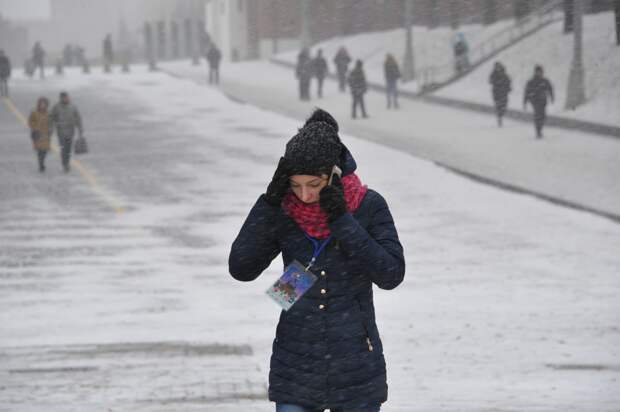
x,y
41,128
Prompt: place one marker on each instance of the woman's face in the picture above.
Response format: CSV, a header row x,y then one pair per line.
x,y
42,105
307,188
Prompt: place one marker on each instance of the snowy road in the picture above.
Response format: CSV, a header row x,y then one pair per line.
x,y
574,167
114,292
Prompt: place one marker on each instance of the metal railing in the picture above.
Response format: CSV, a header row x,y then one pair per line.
x,y
434,76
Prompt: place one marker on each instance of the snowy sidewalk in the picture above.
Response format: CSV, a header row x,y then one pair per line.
x,y
568,167
509,303
486,107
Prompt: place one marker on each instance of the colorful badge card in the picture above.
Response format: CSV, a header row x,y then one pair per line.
x,y
294,282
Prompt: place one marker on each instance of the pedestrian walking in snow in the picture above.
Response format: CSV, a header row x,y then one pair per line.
x,y
501,87
537,90
461,53
66,119
41,128
327,352
214,56
5,73
38,59
319,65
342,60
108,54
392,74
303,72
358,86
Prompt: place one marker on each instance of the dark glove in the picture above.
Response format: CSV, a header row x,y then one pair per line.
x,y
279,184
332,200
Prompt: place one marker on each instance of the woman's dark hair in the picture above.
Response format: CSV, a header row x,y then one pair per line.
x,y
41,100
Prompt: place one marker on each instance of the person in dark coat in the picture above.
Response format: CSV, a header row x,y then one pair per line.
x,y
392,74
66,118
303,72
537,90
214,56
461,53
38,59
501,87
357,83
342,60
320,71
5,73
327,352
108,53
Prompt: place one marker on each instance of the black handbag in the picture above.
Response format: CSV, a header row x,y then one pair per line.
x,y
35,135
81,146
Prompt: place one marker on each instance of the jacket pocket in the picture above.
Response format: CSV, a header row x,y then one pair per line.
x,y
363,322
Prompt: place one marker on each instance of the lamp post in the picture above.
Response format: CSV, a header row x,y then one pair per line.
x,y
576,94
408,66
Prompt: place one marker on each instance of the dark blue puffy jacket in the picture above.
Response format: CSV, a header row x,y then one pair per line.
x,y
327,352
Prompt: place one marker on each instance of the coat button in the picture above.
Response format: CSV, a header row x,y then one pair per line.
x,y
323,291
323,273
321,307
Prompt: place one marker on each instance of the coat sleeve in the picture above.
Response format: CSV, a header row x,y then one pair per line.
x,y
256,244
378,248
31,121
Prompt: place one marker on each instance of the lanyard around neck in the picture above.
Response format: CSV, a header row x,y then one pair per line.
x,y
318,248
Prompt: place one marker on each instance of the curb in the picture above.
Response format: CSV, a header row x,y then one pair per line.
x,y
517,189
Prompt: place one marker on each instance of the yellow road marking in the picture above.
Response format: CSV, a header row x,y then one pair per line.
x,y
84,172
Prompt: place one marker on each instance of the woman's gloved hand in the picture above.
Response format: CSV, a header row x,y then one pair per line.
x,y
279,184
332,199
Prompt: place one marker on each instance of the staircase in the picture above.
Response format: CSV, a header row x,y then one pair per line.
x,y
434,77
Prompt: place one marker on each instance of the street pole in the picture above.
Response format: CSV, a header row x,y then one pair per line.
x,y
408,66
305,23
576,94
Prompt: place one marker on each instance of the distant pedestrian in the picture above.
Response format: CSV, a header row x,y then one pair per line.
x,y
338,240
5,73
41,128
66,118
303,72
214,56
342,61
461,53
358,86
320,71
108,53
501,87
68,54
38,59
392,74
537,90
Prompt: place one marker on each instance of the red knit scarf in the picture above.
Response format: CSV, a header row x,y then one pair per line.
x,y
311,219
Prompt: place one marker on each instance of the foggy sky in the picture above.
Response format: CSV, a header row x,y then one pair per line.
x,y
25,9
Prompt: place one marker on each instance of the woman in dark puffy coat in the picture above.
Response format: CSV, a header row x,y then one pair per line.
x,y
327,353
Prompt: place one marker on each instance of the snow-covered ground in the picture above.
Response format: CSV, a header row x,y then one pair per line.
x,y
509,303
549,47
571,166
432,47
554,50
